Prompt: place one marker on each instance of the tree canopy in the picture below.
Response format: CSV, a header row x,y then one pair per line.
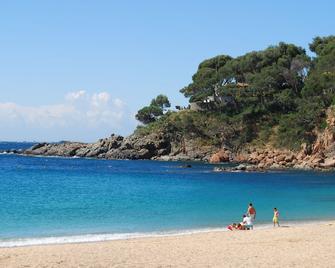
x,y
161,101
321,79
151,113
271,70
278,94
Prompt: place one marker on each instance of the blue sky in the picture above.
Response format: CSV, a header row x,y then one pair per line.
x,y
79,70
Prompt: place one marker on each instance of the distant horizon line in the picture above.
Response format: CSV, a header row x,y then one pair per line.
x,y
59,141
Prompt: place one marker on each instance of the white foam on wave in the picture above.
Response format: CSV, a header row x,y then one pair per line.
x,y
21,242
87,238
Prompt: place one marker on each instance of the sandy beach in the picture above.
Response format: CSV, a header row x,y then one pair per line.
x,y
291,246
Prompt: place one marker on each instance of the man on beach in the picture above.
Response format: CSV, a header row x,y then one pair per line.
x,y
251,212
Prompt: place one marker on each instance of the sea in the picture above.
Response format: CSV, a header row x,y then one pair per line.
x,y
46,200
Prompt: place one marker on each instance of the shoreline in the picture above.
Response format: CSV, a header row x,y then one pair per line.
x,y
247,168
108,237
298,246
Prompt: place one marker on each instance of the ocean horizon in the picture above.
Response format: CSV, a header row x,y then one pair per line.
x,y
61,200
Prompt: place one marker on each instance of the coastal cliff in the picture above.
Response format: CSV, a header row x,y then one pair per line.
x,y
317,156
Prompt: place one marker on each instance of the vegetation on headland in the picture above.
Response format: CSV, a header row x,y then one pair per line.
x,y
149,114
276,96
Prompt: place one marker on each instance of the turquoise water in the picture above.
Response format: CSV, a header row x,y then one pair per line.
x,y
51,197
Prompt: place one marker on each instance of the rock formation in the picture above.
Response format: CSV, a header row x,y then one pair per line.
x,y
321,155
114,147
153,146
160,146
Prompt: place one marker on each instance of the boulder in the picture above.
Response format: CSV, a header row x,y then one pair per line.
x,y
221,156
82,152
241,158
276,166
301,156
261,166
260,157
241,167
328,163
37,146
268,162
280,157
289,158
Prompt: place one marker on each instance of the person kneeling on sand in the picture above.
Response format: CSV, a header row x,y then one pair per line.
x,y
239,227
235,226
232,227
247,223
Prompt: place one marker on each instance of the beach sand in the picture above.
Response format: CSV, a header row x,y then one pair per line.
x,y
295,246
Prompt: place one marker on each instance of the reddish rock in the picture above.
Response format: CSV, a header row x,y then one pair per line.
x,y
301,156
307,158
220,156
259,158
280,158
253,155
269,162
241,158
289,158
271,155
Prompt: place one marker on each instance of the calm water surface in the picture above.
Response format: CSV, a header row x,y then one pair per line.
x,y
41,197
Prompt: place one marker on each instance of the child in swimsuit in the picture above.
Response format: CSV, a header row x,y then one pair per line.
x,y
275,217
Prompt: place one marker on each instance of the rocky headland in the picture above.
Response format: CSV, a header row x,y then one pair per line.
x,y
160,146
134,147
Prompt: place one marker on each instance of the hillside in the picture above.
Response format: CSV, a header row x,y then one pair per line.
x,y
276,98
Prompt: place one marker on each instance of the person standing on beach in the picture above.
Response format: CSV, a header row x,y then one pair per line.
x,y
275,217
251,212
